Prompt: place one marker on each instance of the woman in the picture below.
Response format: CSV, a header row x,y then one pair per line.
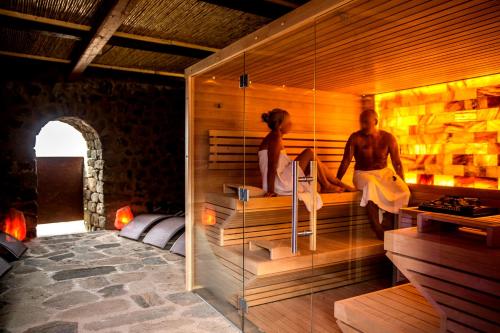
x,y
276,166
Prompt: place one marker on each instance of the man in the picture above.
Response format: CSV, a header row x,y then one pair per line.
x,y
383,190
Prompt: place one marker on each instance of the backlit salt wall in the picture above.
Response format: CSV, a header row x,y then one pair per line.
x,y
448,133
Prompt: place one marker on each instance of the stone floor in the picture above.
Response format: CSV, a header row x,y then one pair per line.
x,y
99,282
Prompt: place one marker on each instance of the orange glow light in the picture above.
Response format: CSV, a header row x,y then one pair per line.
x,y
15,224
123,217
208,217
444,180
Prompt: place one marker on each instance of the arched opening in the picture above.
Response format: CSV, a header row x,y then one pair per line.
x,y
70,178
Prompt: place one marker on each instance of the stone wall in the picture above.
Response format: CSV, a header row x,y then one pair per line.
x,y
134,129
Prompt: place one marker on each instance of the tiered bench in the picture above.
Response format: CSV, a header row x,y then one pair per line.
x,y
347,249
270,218
400,309
455,271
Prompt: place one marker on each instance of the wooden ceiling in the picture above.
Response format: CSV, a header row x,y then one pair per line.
x,y
157,36
375,46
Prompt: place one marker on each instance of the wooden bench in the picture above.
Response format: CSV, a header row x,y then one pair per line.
x,y
233,150
400,309
455,271
347,250
429,221
270,218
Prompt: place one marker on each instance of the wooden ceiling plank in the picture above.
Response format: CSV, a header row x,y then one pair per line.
x,y
111,22
384,75
333,58
465,49
452,38
348,51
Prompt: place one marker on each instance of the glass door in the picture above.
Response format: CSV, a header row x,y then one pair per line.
x,y
218,175
280,172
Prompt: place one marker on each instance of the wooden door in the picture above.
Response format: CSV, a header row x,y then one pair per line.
x,y
60,189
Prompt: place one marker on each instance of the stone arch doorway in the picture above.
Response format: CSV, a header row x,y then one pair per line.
x,y
94,214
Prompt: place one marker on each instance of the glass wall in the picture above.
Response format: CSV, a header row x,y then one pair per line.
x,y
217,131
324,74
279,284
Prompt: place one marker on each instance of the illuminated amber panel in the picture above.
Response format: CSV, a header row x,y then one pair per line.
x,y
449,134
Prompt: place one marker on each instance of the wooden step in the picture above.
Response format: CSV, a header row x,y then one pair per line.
x,y
399,309
277,249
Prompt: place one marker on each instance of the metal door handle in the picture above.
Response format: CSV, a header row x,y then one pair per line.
x,y
313,166
295,206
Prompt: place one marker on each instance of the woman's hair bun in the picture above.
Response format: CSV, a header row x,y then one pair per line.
x,y
265,117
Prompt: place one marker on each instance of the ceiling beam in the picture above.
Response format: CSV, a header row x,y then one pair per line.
x,y
264,8
100,66
68,30
111,22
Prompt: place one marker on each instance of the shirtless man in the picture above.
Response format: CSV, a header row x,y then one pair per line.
x,y
383,190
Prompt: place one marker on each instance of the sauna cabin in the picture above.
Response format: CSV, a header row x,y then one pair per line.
x,y
430,69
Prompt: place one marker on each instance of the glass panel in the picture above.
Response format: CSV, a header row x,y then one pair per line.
x,y
218,170
277,282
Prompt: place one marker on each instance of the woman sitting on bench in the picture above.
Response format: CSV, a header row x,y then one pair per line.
x,y
276,166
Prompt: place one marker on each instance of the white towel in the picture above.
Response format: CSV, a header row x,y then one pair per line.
x,y
283,184
384,187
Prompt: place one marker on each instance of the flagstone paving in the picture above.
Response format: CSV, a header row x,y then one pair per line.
x,y
99,282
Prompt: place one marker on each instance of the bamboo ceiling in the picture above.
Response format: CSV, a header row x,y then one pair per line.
x,y
76,11
35,43
119,56
191,21
374,46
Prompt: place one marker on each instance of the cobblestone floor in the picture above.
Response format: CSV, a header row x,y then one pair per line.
x,y
99,282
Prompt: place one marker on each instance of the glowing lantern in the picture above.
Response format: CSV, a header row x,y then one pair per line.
x,y
123,217
15,224
208,217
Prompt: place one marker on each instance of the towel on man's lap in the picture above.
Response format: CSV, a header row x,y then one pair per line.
x,y
384,187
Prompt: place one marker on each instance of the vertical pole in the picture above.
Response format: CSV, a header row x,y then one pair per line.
x,y
295,205
312,214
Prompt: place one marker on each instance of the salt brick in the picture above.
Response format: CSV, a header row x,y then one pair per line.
x,y
455,148
493,125
492,171
434,108
465,93
477,148
486,160
488,114
455,170
478,126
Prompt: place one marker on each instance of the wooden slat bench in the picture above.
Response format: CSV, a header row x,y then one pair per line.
x,y
429,221
399,309
347,250
455,271
233,150
270,218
